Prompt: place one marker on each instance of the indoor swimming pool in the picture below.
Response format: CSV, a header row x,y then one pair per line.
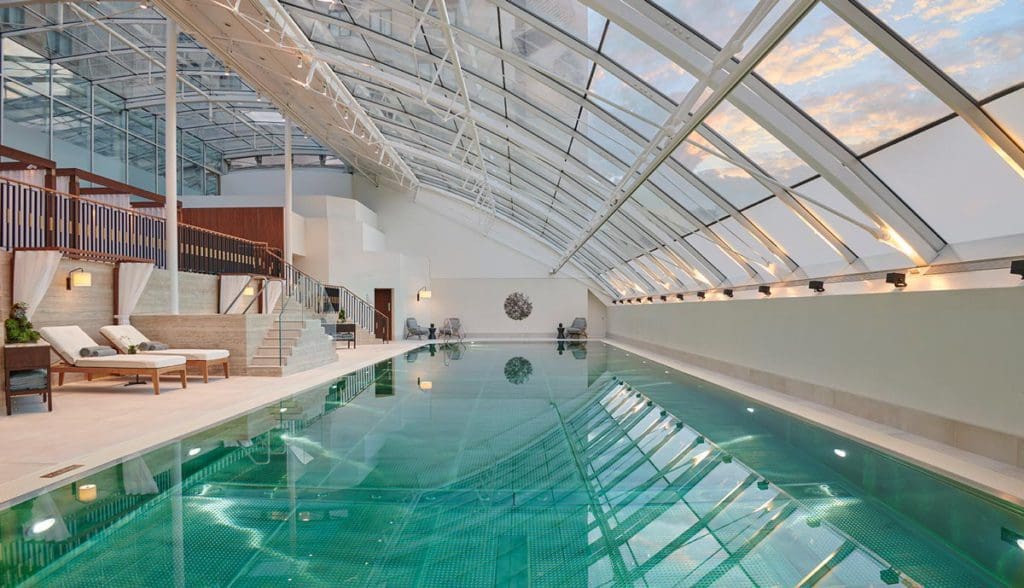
x,y
513,464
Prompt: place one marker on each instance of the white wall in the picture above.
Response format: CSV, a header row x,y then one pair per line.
x,y
306,181
479,302
955,354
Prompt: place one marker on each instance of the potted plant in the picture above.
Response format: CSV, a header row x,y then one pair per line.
x,y
132,350
18,328
341,315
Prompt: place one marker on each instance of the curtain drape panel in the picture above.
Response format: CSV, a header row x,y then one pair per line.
x,y
131,281
33,274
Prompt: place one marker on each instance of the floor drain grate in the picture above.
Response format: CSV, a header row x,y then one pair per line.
x,y
62,470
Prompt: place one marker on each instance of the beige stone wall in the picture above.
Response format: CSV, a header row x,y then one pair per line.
x,y
197,294
240,334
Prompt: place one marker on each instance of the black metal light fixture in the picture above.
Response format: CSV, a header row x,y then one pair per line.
x,y
702,294
762,484
1017,268
766,290
650,299
897,279
664,298
728,292
679,296
816,285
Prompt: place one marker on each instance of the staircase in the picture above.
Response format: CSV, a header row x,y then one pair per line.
x,y
294,343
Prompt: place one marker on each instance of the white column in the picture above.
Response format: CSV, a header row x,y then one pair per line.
x,y
288,191
171,161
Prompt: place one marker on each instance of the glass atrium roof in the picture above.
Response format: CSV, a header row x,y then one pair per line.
x,y
661,146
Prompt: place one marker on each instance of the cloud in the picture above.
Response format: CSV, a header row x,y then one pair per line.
x,y
953,10
799,60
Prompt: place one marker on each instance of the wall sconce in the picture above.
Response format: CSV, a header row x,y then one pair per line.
x,y
423,294
897,279
766,290
79,278
424,384
816,285
248,291
85,492
1017,268
701,294
728,292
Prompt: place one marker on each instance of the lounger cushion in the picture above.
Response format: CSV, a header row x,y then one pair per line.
x,y
144,361
123,336
192,354
67,341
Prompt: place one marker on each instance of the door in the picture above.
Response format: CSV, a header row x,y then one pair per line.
x,y
382,325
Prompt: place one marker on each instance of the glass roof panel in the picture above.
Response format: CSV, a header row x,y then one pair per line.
x,y
757,144
651,66
626,104
797,239
846,84
543,52
728,180
978,44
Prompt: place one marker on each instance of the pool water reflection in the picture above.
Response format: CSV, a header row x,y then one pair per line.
x,y
513,464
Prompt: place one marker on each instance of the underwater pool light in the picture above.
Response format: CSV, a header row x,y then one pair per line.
x,y
839,452
194,451
43,526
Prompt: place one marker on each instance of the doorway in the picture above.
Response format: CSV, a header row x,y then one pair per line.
x,y
383,325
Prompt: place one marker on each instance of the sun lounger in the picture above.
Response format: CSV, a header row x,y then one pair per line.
x,y
70,340
124,336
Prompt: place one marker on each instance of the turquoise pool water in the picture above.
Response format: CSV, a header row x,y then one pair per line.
x,y
522,464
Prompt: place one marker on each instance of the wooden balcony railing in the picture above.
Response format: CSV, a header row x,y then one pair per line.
x,y
34,217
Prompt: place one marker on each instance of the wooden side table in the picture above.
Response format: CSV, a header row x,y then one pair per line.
x,y
26,356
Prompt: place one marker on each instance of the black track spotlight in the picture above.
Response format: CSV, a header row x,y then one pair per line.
x,y
664,298
766,290
816,285
896,279
728,293
650,299
702,295
1017,268
762,484
679,297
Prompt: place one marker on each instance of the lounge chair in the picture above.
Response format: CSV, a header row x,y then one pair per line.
x,y
413,329
452,327
577,329
124,336
70,340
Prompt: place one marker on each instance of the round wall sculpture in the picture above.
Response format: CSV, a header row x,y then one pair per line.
x,y
518,306
518,370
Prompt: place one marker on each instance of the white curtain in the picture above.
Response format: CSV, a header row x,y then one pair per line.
x,y
33,273
119,200
46,522
230,288
271,294
131,281
137,477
